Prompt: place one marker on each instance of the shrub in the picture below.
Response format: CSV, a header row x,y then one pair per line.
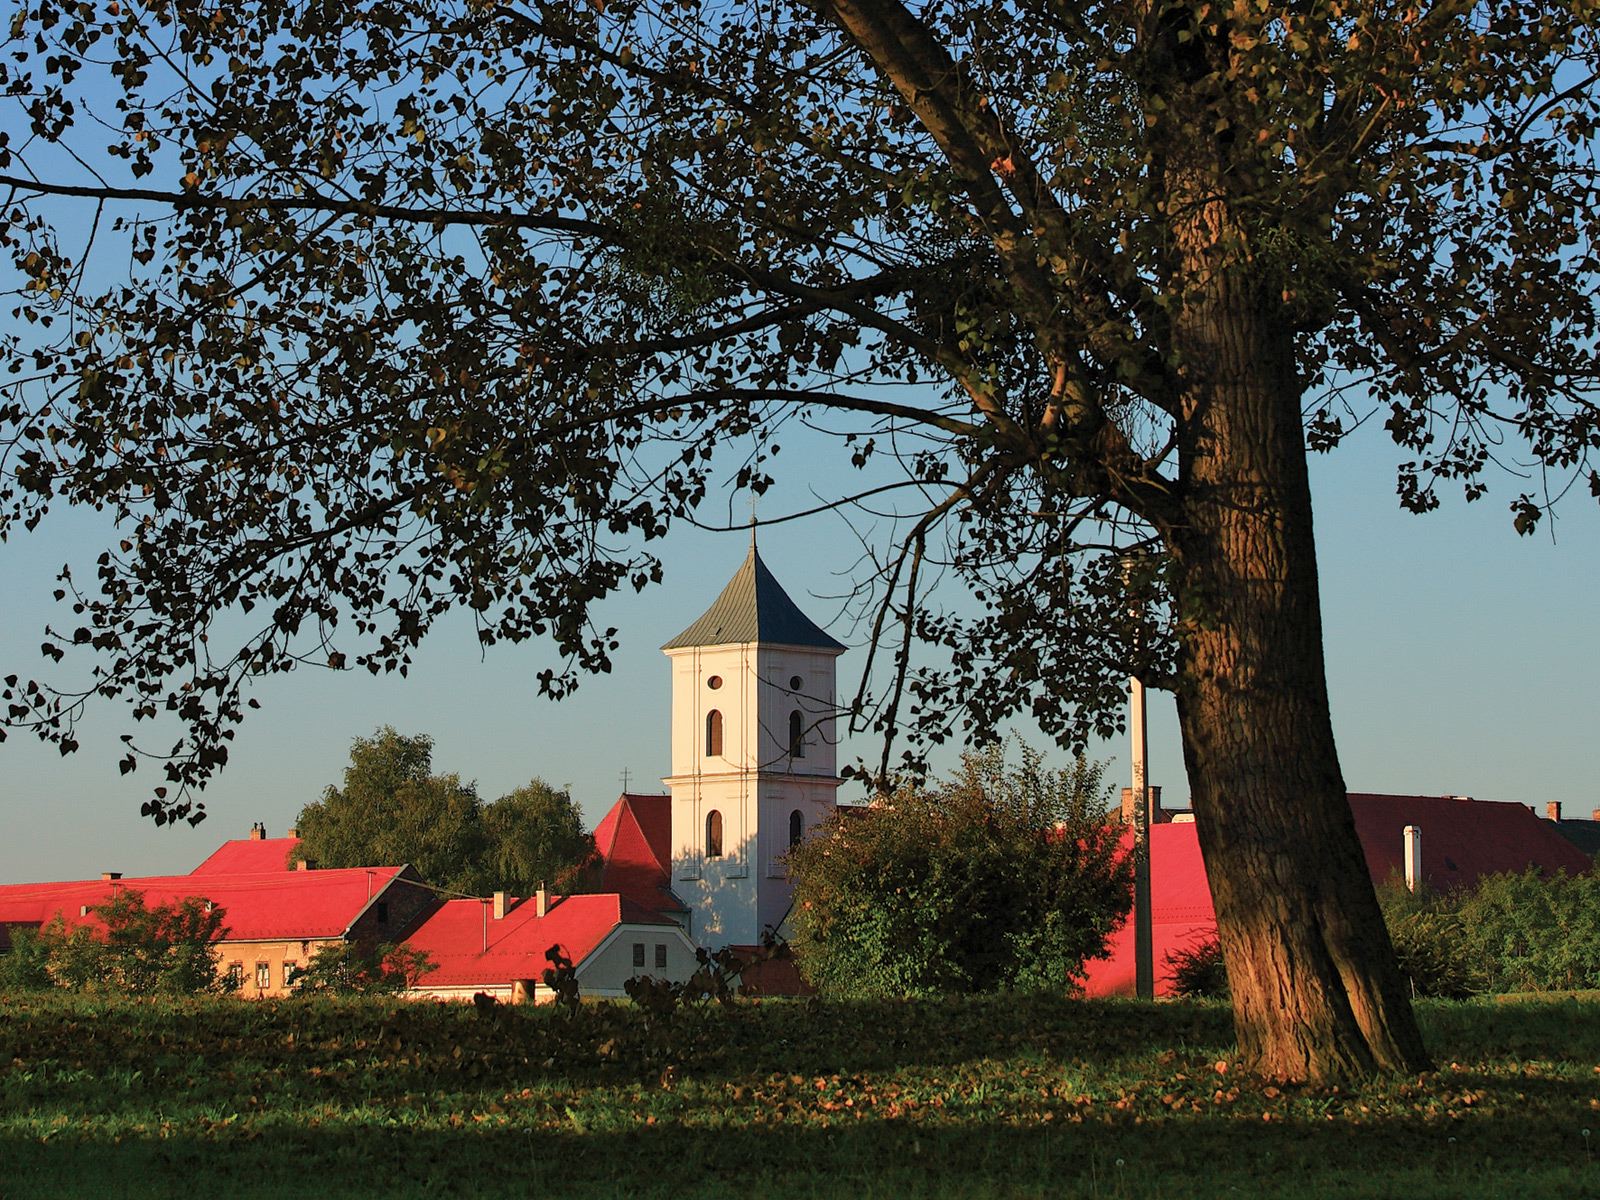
x,y
137,949
26,966
1198,970
1004,877
1430,942
1534,933
349,968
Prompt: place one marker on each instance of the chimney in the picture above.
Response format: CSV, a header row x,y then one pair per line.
x,y
305,864
499,906
292,832
541,902
258,832
1413,837
110,876
1155,804
1553,810
1594,814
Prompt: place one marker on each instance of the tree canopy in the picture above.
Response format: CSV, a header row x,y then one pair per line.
x,y
391,808
1006,876
133,949
376,310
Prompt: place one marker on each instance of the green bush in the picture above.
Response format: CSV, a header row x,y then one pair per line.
x,y
1198,970
1533,933
139,950
1430,942
1003,877
26,966
348,968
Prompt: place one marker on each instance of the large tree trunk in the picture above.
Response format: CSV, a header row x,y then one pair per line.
x,y
1316,992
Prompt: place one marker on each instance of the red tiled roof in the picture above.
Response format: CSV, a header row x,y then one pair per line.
x,y
265,906
249,856
1461,841
635,844
471,949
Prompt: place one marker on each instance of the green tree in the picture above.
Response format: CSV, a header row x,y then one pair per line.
x,y
137,949
535,836
1006,876
423,306
25,966
351,969
392,809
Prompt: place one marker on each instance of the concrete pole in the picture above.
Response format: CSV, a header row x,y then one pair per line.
x,y
1143,945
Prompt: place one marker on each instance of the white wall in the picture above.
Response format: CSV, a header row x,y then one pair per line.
x,y
755,784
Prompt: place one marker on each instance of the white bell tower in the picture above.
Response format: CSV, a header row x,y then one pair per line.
x,y
754,754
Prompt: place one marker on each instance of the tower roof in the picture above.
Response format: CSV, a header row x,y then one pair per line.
x,y
754,608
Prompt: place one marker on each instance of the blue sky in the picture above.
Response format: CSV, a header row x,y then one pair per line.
x,y
1461,661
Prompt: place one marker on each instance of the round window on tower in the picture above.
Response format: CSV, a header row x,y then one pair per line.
x,y
714,682
796,683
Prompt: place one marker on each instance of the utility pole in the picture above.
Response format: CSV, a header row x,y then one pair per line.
x,y
1143,947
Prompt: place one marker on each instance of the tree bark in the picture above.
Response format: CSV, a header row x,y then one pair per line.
x,y
1316,991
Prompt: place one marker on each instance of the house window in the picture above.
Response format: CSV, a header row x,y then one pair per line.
x,y
796,683
797,735
714,682
713,733
236,975
797,828
638,954
661,956
713,834
263,976
290,970
383,912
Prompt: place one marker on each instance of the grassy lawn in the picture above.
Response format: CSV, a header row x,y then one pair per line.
x,y
990,1097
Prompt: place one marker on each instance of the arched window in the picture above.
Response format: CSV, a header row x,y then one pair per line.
x,y
713,733
797,731
797,828
713,834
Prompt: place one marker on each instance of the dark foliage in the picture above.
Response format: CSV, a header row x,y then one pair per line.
x,y
1003,877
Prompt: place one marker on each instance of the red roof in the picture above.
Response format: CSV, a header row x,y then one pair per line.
x,y
249,856
294,905
635,844
471,949
1180,908
1462,840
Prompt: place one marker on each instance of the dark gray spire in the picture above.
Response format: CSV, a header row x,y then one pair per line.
x,y
753,608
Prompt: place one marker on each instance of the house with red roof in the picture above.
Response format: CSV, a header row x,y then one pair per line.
x,y
500,946
1462,840
634,840
275,918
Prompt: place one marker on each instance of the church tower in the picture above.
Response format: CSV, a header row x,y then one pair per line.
x,y
754,753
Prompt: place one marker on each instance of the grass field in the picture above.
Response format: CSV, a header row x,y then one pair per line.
x,y
1001,1096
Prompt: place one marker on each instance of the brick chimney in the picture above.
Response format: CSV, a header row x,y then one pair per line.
x,y
500,899
541,902
110,876
1156,814
291,832
1553,810
305,864
258,832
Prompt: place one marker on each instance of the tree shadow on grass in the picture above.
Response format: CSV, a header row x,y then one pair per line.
x,y
1190,1157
